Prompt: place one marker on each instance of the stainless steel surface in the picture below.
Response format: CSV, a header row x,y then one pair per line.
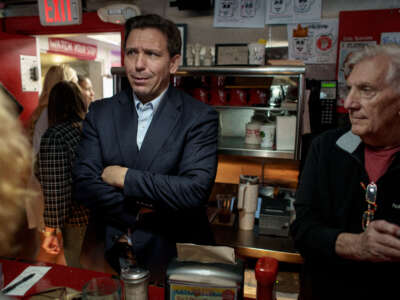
x,y
274,109
286,70
136,281
242,71
134,274
194,271
236,146
299,121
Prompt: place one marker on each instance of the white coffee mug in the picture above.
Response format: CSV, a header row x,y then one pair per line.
x,y
267,133
253,133
247,205
256,54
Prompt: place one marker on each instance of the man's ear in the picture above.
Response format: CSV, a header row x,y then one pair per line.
x,y
174,64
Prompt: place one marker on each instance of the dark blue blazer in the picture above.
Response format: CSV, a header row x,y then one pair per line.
x,y
173,173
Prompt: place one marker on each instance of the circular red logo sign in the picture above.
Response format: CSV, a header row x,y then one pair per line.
x,y
324,43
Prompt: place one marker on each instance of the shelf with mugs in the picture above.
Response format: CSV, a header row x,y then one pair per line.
x,y
275,91
240,93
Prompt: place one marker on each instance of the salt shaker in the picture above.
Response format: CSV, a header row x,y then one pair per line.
x,y
136,281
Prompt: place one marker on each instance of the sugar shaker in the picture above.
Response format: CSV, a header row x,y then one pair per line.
x,y
136,282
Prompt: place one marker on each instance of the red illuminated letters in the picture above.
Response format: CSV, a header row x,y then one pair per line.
x,y
47,8
57,6
69,10
56,11
62,10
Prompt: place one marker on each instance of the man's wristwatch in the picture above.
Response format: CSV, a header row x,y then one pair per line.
x,y
48,233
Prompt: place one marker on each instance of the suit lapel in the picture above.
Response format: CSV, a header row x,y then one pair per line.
x,y
165,119
125,118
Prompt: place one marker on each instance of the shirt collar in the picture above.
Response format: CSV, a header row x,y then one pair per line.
x,y
154,103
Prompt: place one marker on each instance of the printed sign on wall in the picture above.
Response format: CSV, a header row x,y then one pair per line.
x,y
72,48
313,43
292,11
239,13
390,38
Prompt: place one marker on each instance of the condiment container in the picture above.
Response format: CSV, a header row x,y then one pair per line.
x,y
266,271
197,280
136,281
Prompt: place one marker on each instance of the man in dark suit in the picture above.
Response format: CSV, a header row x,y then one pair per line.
x,y
150,146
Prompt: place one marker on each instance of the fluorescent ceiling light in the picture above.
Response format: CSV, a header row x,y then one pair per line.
x,y
110,38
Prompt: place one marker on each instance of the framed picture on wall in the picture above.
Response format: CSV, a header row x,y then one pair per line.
x,y
183,30
231,54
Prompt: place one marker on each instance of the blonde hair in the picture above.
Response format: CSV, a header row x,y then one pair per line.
x,y
54,75
15,172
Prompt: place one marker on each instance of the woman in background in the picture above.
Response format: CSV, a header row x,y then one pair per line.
x,y
38,123
65,220
87,88
16,240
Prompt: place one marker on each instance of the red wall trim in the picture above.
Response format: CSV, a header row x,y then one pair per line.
x,y
91,23
11,48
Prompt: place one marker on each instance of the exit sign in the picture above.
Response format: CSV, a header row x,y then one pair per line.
x,y
60,12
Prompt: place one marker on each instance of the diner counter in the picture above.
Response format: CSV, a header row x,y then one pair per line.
x,y
60,276
249,243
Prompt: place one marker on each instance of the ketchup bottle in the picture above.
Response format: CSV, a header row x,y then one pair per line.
x,y
266,271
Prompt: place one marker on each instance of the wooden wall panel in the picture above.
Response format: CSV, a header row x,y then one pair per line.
x,y
276,171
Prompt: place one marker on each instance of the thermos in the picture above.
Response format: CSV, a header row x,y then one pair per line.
x,y
136,281
266,271
247,201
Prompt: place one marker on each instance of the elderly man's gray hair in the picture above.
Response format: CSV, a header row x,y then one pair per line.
x,y
390,50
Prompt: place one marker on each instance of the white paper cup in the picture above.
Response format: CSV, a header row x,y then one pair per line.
x,y
256,54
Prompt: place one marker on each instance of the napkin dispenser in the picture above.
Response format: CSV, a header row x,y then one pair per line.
x,y
195,280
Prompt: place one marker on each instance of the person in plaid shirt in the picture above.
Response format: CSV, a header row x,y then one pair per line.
x,y
65,220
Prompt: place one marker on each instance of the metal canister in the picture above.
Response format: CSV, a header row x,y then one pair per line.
x,y
136,281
